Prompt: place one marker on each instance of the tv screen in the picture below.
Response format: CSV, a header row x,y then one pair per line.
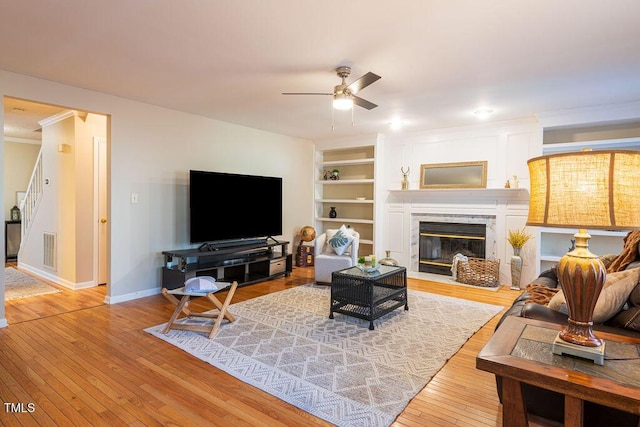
x,y
226,206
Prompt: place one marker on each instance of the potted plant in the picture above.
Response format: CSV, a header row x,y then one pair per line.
x,y
517,239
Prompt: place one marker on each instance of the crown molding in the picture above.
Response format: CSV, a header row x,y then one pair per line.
x,y
57,117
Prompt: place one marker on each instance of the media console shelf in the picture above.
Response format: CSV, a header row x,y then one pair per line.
x,y
244,263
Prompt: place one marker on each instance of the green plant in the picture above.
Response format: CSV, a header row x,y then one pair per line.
x,y
518,238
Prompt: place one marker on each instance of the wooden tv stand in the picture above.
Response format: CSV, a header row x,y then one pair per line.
x,y
245,263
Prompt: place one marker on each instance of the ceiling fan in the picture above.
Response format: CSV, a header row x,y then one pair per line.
x,y
344,96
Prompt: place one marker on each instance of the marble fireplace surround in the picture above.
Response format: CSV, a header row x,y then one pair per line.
x,y
416,218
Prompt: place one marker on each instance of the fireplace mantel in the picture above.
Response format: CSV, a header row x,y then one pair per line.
x,y
494,193
500,209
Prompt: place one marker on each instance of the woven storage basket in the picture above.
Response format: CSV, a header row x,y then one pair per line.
x,y
479,272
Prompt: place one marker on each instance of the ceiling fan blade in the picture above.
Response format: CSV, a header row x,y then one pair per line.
x,y
363,82
363,103
305,93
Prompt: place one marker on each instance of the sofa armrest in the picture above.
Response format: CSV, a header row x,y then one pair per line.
x,y
532,310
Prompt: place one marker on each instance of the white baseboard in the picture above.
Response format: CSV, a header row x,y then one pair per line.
x,y
56,279
131,296
3,323
83,285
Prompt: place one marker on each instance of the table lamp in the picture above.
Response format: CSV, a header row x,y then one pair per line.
x,y
587,189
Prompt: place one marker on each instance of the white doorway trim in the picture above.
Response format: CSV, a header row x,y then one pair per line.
x,y
101,225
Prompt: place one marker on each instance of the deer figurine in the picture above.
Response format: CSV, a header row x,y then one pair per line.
x,y
405,180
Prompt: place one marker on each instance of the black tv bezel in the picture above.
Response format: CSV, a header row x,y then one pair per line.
x,y
273,228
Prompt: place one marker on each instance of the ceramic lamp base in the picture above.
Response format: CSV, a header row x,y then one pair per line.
x,y
561,347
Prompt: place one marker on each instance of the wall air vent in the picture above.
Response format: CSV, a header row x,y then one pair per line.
x,y
49,259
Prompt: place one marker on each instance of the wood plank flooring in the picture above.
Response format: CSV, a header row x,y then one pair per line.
x,y
81,362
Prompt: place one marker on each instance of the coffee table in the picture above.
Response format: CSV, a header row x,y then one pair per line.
x,y
368,296
520,352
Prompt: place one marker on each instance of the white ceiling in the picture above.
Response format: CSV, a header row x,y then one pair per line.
x,y
230,60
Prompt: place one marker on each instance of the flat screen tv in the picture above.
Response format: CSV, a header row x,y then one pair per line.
x,y
227,207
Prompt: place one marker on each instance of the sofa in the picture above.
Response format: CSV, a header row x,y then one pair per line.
x,y
625,321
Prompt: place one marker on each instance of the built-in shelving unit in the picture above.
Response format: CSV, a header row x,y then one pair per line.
x,y
555,242
352,195
599,144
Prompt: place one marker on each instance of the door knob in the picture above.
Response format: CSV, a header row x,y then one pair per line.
x,y
103,220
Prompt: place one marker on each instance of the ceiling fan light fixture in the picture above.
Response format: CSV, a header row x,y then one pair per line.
x,y
342,101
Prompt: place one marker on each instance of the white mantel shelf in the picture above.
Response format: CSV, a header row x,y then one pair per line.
x,y
487,191
437,193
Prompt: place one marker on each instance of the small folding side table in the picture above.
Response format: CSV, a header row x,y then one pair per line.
x,y
182,307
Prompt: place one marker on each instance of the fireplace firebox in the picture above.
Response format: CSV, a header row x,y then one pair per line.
x,y
440,241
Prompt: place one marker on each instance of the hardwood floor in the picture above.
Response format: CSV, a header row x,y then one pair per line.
x,y
22,310
81,362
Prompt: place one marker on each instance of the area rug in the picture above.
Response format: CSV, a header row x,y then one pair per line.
x,y
285,344
20,285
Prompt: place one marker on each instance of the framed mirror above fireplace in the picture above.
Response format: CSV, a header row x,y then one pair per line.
x,y
453,175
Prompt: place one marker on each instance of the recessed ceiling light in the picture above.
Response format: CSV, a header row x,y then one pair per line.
x,y
483,113
396,124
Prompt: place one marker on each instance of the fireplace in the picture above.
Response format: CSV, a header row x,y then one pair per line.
x,y
440,241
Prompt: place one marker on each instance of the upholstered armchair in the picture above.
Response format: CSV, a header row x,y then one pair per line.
x,y
327,259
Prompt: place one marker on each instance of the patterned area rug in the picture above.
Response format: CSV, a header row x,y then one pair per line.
x,y
20,285
285,344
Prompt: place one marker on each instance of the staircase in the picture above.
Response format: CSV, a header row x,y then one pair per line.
x,y
30,204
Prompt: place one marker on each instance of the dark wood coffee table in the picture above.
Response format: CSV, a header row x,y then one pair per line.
x,y
520,352
368,295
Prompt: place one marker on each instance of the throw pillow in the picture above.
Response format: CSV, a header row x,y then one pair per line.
x,y
327,247
540,294
614,294
340,241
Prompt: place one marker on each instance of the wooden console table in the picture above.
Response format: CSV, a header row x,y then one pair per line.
x,y
520,352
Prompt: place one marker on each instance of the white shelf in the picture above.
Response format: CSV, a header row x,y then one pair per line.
x,y
369,201
572,231
348,162
346,220
552,258
444,191
344,181
604,144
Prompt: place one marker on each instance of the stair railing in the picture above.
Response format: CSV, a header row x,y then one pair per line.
x,y
29,205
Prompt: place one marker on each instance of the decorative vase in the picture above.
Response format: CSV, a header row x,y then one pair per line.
x,y
388,260
332,212
516,269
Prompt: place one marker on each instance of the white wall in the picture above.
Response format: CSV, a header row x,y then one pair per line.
x,y
151,151
505,146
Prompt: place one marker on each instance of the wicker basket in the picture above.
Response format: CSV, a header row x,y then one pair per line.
x,y
479,272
